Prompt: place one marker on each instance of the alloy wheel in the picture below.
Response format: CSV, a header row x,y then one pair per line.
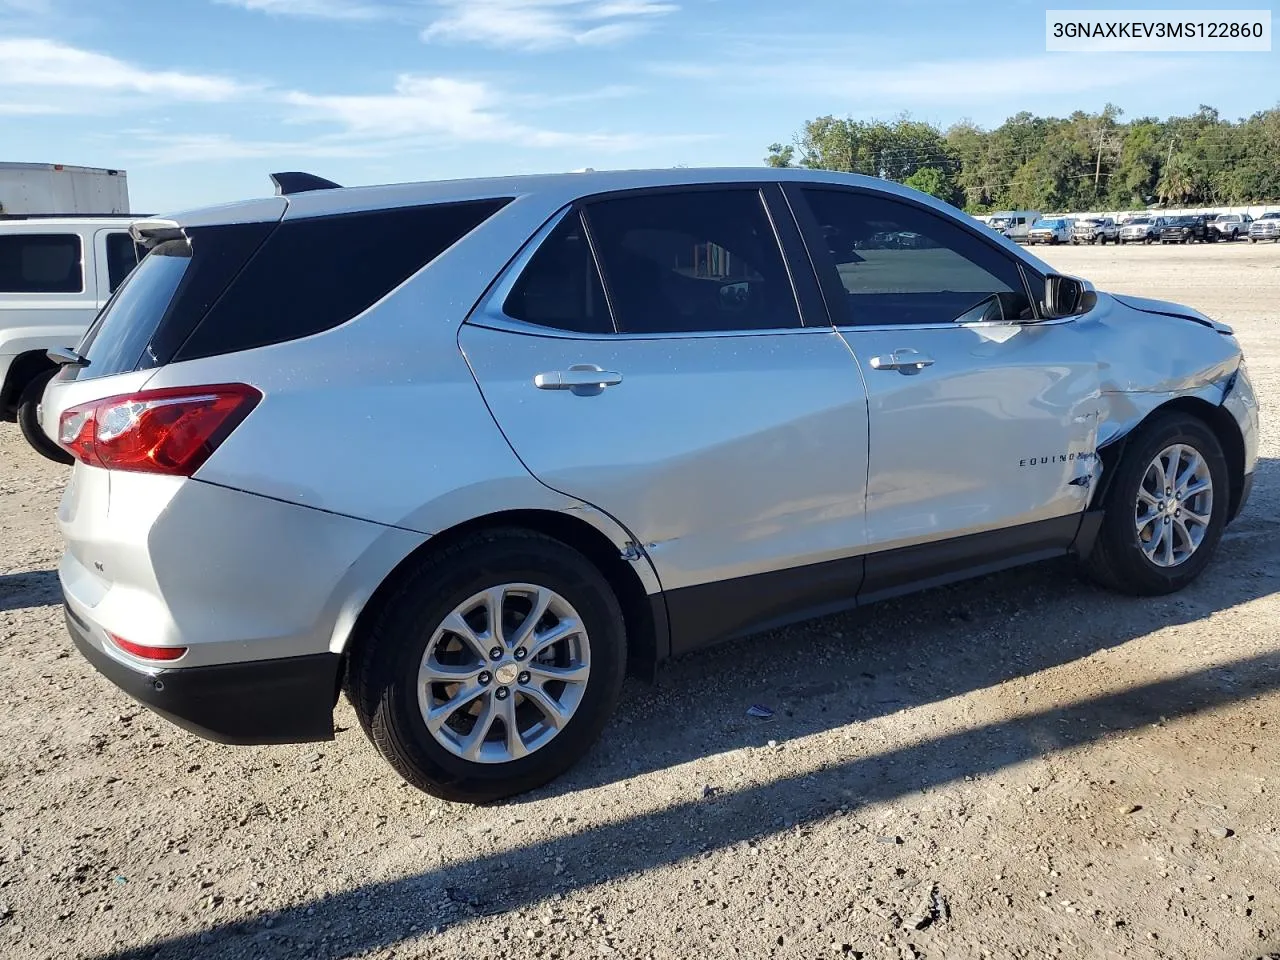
x,y
504,673
1174,505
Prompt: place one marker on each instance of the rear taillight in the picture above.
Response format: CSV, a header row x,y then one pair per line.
x,y
171,431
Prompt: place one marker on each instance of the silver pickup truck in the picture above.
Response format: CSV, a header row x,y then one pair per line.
x,y
1095,230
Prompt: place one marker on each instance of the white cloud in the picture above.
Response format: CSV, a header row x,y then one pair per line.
x,y
439,109
544,24
315,9
47,65
918,84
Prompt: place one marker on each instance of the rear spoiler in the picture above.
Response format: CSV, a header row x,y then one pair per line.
x,y
153,231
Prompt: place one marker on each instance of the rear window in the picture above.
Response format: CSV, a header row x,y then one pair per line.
x,y
236,286
160,302
41,263
316,273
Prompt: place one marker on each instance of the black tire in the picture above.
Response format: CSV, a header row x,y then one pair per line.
x,y
1253,239
28,403
1117,560
382,674
1147,239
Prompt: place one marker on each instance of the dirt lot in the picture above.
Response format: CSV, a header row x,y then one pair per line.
x,y
1023,766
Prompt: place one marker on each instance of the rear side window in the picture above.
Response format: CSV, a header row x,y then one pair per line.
x,y
316,273
701,260
899,263
41,263
560,287
122,256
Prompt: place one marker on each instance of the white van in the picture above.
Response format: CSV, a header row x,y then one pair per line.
x,y
56,272
1014,224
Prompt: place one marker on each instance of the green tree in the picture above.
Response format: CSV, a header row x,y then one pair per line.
x,y
1083,161
932,181
780,155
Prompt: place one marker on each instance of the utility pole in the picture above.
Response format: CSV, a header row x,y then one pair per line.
x,y
1097,170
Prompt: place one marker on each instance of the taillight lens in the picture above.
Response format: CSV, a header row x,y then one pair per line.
x,y
171,431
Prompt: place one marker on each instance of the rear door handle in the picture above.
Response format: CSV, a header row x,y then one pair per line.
x,y
904,361
580,378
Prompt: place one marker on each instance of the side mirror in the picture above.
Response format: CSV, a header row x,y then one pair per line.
x,y
1067,296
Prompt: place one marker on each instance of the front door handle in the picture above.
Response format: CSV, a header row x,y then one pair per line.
x,y
581,378
904,361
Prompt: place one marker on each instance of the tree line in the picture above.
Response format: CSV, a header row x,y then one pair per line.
x,y
1087,161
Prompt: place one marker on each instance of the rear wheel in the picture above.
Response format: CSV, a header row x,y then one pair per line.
x,y
1165,510
29,420
493,667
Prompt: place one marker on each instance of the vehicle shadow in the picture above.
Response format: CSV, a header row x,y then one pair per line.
x,y
381,915
35,588
912,651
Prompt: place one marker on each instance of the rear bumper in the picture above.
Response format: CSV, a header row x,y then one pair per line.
x,y
288,700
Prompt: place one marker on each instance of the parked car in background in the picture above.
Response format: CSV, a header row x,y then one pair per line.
x,y
1231,226
1050,230
431,444
1266,227
1095,230
1185,229
1014,224
56,272
1141,230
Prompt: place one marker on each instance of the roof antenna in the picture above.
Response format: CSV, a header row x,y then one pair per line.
x,y
298,182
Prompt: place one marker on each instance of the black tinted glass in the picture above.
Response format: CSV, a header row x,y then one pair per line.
x,y
162,300
561,286
899,263
40,263
704,260
122,256
119,336
316,273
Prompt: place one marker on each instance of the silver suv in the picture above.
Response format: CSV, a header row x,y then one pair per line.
x,y
469,450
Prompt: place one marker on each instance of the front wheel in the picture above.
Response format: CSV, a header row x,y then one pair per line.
x,y
493,667
1147,239
29,421
1165,510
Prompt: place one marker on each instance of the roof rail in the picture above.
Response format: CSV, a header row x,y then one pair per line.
x,y
298,182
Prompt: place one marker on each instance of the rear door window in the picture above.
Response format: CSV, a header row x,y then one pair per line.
x,y
560,287
41,263
692,261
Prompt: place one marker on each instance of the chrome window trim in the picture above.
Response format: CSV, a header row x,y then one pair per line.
x,y
976,325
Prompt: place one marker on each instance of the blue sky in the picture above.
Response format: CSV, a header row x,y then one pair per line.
x,y
200,99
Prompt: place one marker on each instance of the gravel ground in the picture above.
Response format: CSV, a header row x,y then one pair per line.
x,y
1022,766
